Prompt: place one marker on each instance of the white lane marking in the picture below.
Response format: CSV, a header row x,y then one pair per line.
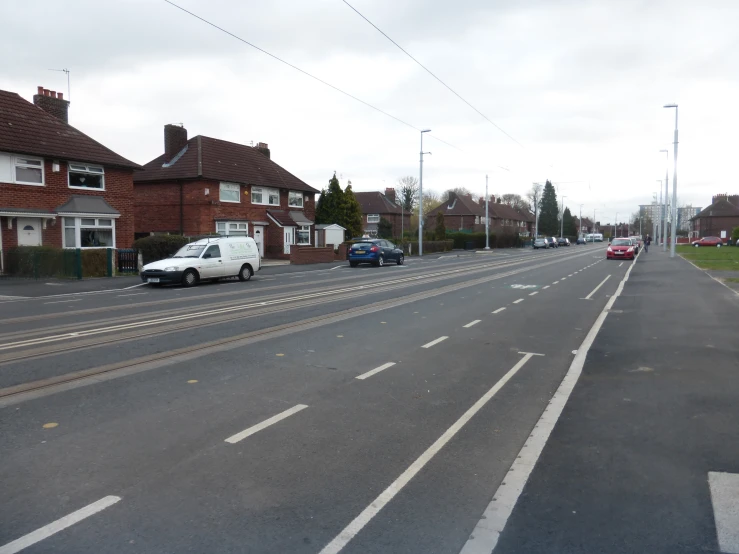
x,y
498,310
534,293
519,300
59,525
131,287
433,342
337,267
619,265
13,297
545,287
131,294
570,275
484,536
725,500
266,423
555,282
563,279
351,530
596,288
370,373
62,301
471,323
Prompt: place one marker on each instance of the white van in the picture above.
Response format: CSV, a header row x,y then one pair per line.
x,y
211,258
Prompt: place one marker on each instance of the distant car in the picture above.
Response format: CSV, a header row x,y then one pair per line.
x,y
374,251
540,243
637,243
581,240
562,241
708,241
620,249
552,242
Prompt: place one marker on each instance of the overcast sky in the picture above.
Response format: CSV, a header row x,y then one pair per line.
x,y
579,84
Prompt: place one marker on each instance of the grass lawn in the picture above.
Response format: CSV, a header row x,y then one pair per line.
x,y
705,257
732,279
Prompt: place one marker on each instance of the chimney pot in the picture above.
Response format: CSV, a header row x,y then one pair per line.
x,y
52,103
53,94
263,147
60,96
40,91
390,193
47,92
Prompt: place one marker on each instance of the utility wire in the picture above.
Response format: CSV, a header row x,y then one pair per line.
x,y
337,89
431,73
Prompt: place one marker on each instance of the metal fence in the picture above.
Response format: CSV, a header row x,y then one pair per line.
x,y
68,263
128,260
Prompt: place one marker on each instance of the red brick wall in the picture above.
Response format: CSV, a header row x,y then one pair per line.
x,y
712,226
55,192
310,255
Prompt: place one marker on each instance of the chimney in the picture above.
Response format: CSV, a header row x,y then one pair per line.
x,y
390,193
263,147
52,103
734,199
452,198
175,139
481,201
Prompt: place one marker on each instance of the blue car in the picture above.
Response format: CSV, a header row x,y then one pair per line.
x,y
374,251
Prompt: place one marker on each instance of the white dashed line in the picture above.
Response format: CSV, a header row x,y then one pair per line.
x,y
519,300
433,342
266,423
498,310
555,282
534,293
619,265
471,323
370,373
545,287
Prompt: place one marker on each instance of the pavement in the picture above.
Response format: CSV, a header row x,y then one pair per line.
x,y
366,410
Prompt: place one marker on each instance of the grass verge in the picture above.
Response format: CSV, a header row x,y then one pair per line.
x,y
724,258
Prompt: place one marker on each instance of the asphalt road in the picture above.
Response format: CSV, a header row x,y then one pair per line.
x,y
367,410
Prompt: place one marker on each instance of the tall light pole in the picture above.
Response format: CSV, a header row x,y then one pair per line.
x,y
579,226
487,233
420,197
562,218
658,225
536,191
674,187
593,232
664,218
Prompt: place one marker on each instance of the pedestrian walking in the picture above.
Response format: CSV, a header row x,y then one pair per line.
x,y
646,244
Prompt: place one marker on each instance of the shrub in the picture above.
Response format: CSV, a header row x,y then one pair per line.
x,y
95,262
158,247
41,261
431,246
735,235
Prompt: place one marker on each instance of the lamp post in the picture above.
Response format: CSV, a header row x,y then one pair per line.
x,y
673,238
593,232
487,231
664,217
658,225
562,219
615,223
579,226
420,197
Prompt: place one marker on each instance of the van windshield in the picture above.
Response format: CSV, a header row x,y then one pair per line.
x,y
190,251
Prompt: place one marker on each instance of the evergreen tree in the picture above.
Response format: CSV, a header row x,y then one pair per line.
x,y
350,212
549,212
329,207
440,226
384,229
570,227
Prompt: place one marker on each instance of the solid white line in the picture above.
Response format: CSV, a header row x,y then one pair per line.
x,y
376,370
132,294
471,323
519,300
58,525
351,530
725,500
596,288
433,342
545,287
484,536
619,265
498,310
266,423
131,287
534,293
62,301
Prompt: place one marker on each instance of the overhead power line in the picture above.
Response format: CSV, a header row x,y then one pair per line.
x,y
337,89
431,73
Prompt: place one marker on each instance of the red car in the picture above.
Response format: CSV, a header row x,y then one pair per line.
x,y
620,249
708,241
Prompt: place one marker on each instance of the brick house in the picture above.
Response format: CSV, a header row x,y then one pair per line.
x,y
203,186
376,205
508,219
720,217
59,187
463,213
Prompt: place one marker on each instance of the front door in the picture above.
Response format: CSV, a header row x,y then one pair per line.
x,y
289,238
211,263
259,239
29,231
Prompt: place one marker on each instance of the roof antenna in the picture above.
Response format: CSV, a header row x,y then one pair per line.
x,y
69,91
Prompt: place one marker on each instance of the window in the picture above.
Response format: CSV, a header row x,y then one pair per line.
x,y
86,176
477,220
263,195
304,234
21,170
232,228
88,232
230,192
213,251
373,218
295,199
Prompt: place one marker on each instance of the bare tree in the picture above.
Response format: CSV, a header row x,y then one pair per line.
x,y
408,197
460,191
515,201
534,195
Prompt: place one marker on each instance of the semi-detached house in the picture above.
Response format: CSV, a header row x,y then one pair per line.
x,y
59,187
204,186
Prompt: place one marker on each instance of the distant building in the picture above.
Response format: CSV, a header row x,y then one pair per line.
x,y
718,219
376,206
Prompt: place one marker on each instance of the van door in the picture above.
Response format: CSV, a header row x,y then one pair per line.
x,y
211,263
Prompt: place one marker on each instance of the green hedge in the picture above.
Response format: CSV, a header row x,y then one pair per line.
x,y
477,240
158,247
431,246
40,261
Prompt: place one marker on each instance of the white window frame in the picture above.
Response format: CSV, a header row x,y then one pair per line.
x,y
266,193
230,187
375,218
78,226
292,195
89,171
227,228
306,229
12,160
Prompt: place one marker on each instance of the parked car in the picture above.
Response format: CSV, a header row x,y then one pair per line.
x,y
540,243
374,251
552,242
637,243
708,241
562,241
212,258
581,240
619,249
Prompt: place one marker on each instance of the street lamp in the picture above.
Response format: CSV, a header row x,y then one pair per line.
x,y
562,219
487,230
420,197
674,187
664,217
614,225
579,226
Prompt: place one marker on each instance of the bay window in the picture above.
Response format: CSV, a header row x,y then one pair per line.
x,y
266,196
295,199
89,232
83,176
304,234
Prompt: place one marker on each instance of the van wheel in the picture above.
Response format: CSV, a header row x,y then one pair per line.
x,y
245,273
190,278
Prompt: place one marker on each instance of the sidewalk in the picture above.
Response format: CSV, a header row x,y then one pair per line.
x,y
654,411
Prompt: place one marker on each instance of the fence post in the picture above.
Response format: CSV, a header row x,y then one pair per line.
x,y
109,252
78,262
34,263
